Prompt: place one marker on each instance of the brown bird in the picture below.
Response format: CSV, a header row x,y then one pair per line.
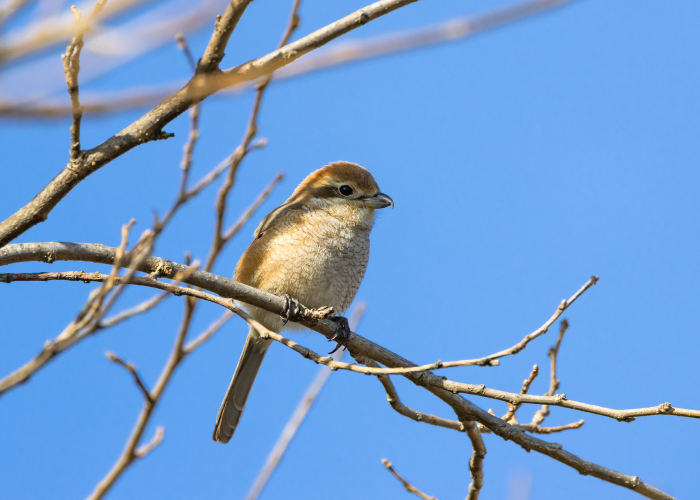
x,y
315,249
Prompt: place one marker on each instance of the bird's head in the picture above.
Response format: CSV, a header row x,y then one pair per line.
x,y
342,188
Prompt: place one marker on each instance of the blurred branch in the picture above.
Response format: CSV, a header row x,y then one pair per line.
x,y
9,8
52,30
341,54
224,26
409,487
299,415
445,389
133,451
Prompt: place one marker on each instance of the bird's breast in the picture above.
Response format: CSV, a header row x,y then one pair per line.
x,y
320,261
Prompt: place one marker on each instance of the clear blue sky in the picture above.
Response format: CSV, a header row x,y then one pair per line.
x,y
521,161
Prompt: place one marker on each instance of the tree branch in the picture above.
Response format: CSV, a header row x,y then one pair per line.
x,y
476,462
132,370
223,29
409,487
71,68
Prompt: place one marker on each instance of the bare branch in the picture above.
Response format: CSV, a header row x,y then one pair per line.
x,y
250,211
71,67
145,449
394,401
512,409
223,30
565,304
208,333
554,383
409,487
315,319
476,462
536,429
141,308
131,369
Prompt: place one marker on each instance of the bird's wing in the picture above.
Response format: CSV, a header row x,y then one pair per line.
x,y
279,215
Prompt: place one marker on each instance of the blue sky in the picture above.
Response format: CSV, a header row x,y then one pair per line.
x,y
521,162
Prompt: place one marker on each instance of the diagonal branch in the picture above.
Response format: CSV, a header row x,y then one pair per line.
x,y
565,304
135,374
409,487
223,29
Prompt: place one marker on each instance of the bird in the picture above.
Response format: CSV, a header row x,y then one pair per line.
x,y
312,249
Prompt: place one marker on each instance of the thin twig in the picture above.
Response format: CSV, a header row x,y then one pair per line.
x,y
208,333
71,68
395,402
565,304
554,383
146,448
141,308
512,409
135,374
409,487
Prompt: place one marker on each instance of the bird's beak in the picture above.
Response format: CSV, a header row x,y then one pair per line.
x,y
379,200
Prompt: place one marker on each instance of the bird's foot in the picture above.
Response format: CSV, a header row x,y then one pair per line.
x,y
292,309
342,335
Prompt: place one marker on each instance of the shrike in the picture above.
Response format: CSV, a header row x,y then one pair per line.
x,y
315,249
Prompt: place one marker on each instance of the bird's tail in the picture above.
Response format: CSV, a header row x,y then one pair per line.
x,y
241,384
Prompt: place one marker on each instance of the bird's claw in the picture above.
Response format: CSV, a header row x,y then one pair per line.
x,y
342,334
292,308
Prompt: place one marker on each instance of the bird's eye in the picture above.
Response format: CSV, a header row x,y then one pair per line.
x,y
345,190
